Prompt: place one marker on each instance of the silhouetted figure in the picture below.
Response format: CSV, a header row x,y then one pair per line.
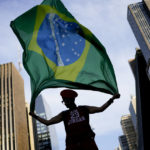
x,y
79,135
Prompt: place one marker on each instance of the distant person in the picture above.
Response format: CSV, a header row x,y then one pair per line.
x,y
79,135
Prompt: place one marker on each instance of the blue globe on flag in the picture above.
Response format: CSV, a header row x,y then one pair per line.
x,y
59,40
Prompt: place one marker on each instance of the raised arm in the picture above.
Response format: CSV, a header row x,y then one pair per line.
x,y
93,109
53,120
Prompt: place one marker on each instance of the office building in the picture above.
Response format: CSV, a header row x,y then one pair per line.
x,y
129,132
30,128
13,121
118,148
45,136
142,94
132,109
147,3
123,143
139,20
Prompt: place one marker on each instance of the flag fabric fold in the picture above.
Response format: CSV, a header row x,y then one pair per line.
x,y
60,52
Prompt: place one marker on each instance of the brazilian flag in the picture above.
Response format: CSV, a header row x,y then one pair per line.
x,y
60,52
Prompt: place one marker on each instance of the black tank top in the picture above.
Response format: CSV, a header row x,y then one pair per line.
x,y
77,125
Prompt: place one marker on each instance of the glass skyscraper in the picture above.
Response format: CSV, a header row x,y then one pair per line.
x,y
45,136
139,20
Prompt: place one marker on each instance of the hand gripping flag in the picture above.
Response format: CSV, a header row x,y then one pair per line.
x,y
60,52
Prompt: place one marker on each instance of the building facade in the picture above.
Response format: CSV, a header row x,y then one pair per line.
x,y
45,136
132,109
147,3
123,143
30,128
129,132
142,103
13,121
139,20
117,148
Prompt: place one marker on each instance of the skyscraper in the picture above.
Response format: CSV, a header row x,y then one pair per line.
x,y
123,143
118,148
132,109
142,95
13,121
129,131
45,136
147,3
30,128
139,20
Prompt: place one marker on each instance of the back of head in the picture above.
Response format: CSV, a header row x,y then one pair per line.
x,y
68,93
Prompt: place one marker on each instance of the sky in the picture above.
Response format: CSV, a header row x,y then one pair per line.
x,y
108,22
